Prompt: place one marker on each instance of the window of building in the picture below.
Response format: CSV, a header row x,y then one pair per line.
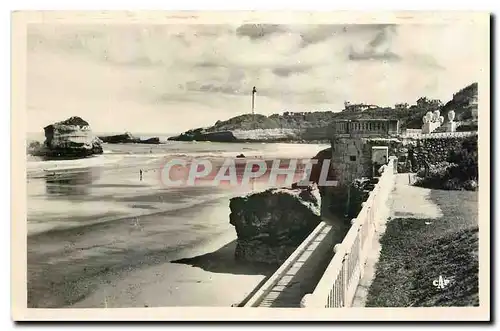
x,y
352,158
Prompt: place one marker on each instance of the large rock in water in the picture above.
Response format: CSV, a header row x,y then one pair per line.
x,y
128,138
70,138
271,224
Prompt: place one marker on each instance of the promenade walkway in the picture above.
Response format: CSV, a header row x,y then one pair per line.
x,y
302,271
404,201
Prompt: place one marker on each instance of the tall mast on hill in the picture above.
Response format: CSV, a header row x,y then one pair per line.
x,y
253,100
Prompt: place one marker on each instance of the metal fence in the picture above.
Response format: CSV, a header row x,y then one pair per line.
x,y
340,280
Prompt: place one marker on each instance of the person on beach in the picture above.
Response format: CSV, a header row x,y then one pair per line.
x,y
140,174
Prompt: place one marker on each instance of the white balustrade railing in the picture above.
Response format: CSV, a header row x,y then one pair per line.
x,y
431,135
259,295
340,280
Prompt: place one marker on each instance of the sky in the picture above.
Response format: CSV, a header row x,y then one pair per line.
x,y
173,77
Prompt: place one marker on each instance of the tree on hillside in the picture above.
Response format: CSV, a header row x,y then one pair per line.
x,y
429,104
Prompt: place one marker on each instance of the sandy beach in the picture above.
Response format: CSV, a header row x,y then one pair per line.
x,y
130,261
101,236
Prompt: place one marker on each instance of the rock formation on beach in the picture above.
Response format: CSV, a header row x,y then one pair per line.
x,y
271,224
69,138
321,157
128,138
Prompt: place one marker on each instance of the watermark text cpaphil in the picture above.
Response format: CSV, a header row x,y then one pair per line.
x,y
243,172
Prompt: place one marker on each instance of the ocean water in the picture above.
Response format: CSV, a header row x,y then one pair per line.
x,y
72,193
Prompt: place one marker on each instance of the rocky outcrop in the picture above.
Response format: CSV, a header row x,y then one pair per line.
x,y
321,157
152,140
271,224
128,138
255,135
69,138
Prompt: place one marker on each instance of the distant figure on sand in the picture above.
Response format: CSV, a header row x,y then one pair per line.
x,y
140,174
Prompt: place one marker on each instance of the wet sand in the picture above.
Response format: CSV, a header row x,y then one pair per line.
x,y
129,263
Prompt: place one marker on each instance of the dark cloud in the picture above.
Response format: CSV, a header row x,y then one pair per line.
x,y
209,64
378,48
383,36
285,71
320,33
258,31
213,88
374,56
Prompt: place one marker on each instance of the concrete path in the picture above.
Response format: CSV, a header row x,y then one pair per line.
x,y
412,201
405,201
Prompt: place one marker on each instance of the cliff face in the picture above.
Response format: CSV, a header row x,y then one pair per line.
x,y
271,224
260,128
70,138
238,135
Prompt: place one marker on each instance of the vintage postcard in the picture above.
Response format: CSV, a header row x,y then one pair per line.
x,y
317,166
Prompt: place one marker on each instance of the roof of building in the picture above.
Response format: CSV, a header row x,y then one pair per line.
x,y
368,120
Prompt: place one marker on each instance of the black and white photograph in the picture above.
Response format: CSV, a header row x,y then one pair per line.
x,y
210,160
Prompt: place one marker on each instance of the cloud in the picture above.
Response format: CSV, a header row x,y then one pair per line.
x,y
285,71
372,55
173,77
257,31
378,48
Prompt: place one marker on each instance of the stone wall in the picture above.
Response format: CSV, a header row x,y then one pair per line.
x,y
352,157
433,150
351,161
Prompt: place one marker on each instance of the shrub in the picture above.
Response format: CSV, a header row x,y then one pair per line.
x,y
459,172
466,157
453,184
436,170
470,185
